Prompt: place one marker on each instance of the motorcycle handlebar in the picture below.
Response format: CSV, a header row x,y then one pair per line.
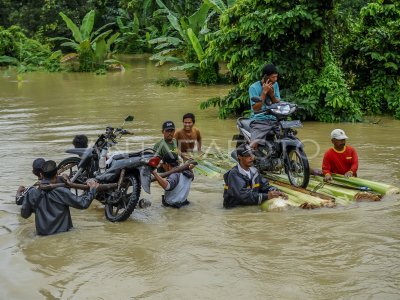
x,y
126,132
275,105
122,131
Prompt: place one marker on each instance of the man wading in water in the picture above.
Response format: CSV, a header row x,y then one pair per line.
x,y
51,208
243,183
176,185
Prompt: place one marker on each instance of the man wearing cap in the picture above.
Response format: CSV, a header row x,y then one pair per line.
x,y
51,207
340,159
168,143
176,185
267,91
243,183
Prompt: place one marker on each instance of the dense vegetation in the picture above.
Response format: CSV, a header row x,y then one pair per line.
x,y
337,59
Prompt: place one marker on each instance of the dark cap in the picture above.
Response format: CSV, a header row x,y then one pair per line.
x,y
168,125
244,150
171,158
49,169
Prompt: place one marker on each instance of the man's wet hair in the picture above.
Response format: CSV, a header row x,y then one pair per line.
x,y
80,141
37,166
171,158
269,69
189,116
49,169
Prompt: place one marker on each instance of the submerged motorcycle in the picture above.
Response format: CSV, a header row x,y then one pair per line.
x,y
284,151
125,173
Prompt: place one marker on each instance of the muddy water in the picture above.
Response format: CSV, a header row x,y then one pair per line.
x,y
198,252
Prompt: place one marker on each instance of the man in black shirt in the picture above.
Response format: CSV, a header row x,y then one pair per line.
x,y
243,183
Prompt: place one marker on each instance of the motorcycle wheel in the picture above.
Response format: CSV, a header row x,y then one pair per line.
x,y
128,199
297,167
69,166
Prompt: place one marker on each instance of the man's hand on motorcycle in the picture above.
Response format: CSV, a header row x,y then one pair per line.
x,y
65,178
93,184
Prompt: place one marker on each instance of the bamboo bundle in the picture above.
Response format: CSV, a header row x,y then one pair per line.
x,y
380,188
203,170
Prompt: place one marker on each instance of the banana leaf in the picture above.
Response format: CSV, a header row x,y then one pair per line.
x,y
74,29
218,5
190,66
195,44
87,25
166,39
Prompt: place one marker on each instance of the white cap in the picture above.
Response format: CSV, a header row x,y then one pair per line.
x,y
338,134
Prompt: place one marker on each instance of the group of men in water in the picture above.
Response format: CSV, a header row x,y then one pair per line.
x,y
243,183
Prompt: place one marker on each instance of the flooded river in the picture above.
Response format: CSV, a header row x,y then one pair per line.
x,y
201,251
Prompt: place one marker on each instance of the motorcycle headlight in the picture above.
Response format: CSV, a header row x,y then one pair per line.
x,y
283,110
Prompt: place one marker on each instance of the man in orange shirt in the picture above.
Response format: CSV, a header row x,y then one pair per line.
x,y
189,137
340,159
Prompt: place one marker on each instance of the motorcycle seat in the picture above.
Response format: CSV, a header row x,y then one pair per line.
x,y
132,154
125,155
245,123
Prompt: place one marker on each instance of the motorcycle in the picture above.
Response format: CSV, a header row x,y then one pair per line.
x,y
284,151
125,173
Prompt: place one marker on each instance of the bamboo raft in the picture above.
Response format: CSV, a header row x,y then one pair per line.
x,y
341,191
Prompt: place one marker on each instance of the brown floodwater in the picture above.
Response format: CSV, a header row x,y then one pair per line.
x,y
201,251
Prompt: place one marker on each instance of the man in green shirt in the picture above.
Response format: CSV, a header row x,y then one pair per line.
x,y
168,143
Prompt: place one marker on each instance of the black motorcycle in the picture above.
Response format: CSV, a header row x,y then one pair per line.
x,y
283,151
126,173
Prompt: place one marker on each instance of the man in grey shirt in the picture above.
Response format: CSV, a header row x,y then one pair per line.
x,y
51,208
176,185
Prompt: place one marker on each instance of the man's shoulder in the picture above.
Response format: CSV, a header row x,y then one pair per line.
x,y
178,133
34,192
256,84
234,171
330,150
254,170
351,149
158,143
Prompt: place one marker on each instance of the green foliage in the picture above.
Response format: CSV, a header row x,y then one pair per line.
x,y
173,81
28,54
373,58
327,98
305,41
184,44
133,39
92,47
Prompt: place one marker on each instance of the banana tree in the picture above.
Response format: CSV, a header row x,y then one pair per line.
x,y
93,49
220,6
184,44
